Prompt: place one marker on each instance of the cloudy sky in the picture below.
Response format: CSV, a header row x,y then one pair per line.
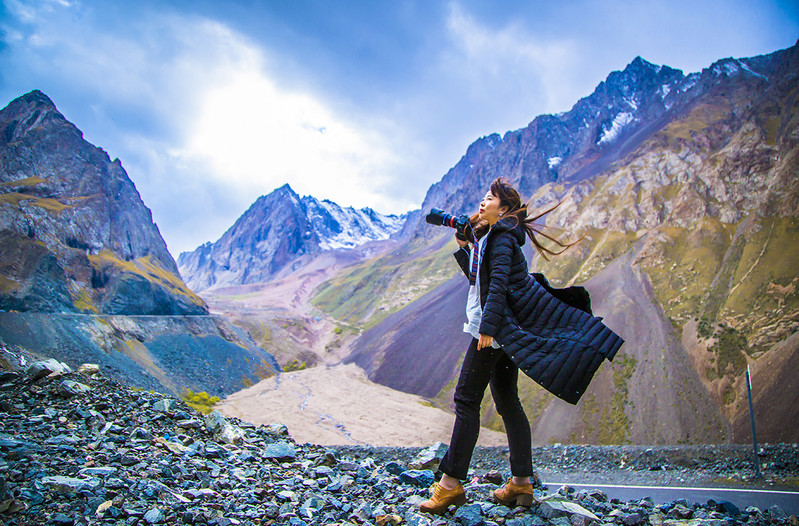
x,y
211,104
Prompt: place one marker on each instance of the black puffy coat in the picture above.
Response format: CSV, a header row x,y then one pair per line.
x,y
558,345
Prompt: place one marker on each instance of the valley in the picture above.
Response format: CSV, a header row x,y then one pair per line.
x,y
682,188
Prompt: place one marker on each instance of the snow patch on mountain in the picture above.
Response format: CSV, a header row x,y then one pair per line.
x,y
619,122
339,227
746,68
554,161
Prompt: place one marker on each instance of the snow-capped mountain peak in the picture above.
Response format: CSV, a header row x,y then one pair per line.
x,y
275,231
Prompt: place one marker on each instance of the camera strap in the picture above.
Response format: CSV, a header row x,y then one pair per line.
x,y
475,263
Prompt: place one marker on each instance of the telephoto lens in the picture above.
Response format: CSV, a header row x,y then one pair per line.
x,y
440,218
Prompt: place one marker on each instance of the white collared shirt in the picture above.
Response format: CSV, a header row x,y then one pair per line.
x,y
474,311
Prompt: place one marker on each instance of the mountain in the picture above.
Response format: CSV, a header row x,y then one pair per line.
x,y
86,276
685,188
274,232
75,235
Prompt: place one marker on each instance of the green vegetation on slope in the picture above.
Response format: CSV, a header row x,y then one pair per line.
x,y
200,401
609,423
51,205
367,293
146,268
740,284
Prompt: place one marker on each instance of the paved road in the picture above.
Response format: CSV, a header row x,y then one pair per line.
x,y
763,499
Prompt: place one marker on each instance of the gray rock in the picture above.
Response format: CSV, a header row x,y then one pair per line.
x,y
421,478
632,519
363,512
598,495
61,519
776,513
70,484
413,518
646,502
166,405
526,520
430,457
280,451
680,511
470,515
553,508
278,429
89,369
223,430
141,434
41,369
154,516
69,388
99,471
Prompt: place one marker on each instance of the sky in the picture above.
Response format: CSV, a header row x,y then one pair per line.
x,y
209,105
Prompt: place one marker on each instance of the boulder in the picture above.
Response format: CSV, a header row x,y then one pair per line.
x,y
280,451
44,368
89,369
553,508
223,430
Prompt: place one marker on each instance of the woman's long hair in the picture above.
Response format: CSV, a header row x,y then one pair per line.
x,y
517,212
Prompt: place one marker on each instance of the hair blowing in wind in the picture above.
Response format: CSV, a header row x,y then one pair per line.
x,y
517,211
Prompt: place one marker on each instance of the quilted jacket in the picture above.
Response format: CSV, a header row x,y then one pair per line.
x,y
556,342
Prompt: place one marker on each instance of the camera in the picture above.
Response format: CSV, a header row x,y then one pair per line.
x,y
441,218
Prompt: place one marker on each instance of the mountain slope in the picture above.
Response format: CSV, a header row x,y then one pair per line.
x,y
75,235
274,232
686,189
81,257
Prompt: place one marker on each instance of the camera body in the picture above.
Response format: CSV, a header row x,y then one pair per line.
x,y
440,218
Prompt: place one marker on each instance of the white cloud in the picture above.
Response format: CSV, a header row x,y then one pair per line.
x,y
511,64
187,102
254,134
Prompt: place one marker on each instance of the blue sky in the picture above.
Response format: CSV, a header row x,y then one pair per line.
x,y
210,104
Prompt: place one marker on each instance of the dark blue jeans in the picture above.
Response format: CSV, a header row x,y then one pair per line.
x,y
480,369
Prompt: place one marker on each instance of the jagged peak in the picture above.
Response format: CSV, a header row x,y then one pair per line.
x,y
37,97
28,103
640,62
285,189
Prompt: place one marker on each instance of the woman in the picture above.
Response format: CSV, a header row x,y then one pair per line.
x,y
516,322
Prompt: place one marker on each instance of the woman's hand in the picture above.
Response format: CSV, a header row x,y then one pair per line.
x,y
461,242
484,341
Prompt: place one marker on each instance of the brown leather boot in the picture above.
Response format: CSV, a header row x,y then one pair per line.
x,y
443,499
515,495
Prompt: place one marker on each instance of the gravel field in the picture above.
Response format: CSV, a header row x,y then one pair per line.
x,y
79,450
696,465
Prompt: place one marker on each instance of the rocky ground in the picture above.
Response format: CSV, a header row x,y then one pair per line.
x,y
76,449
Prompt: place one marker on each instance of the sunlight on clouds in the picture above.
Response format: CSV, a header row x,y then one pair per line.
x,y
254,134
211,97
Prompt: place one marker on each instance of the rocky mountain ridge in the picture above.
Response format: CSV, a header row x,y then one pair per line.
x,y
277,230
85,274
689,207
75,235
